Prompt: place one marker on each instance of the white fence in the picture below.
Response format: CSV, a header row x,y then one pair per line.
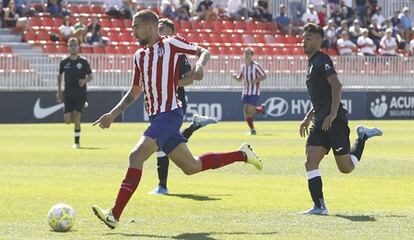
x,y
114,72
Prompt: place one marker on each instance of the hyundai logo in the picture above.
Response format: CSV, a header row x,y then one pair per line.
x,y
276,107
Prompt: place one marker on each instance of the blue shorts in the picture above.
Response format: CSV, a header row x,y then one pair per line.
x,y
250,99
165,129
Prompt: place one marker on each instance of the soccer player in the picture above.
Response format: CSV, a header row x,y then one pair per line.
x,y
77,73
155,69
166,28
330,124
251,73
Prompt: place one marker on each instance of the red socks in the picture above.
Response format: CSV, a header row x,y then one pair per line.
x,y
217,160
128,187
249,121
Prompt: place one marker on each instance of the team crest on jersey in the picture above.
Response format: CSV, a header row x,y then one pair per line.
x,y
67,66
327,67
161,51
79,65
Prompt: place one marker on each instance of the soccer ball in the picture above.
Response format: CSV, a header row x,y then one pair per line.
x,y
61,217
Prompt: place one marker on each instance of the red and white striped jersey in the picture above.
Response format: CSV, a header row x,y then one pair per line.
x,y
248,73
156,71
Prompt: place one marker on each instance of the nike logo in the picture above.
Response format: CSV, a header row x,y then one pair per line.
x,y
338,149
41,113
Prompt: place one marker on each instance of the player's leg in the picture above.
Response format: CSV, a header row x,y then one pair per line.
x,y
249,112
76,116
162,170
67,115
183,158
317,146
141,152
198,122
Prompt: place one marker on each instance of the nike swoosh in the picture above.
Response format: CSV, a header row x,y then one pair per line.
x,y
338,149
41,113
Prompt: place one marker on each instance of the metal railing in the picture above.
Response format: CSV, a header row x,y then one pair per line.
x,y
114,72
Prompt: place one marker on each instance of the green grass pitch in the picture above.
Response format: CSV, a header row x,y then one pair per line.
x,y
38,169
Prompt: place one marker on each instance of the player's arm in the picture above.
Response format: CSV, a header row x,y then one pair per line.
x,y
59,96
129,98
203,58
186,80
336,87
88,76
303,128
261,75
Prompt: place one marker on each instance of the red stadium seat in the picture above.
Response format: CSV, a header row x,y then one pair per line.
x,y
269,39
73,8
280,39
98,50
196,25
277,51
259,38
250,26
29,36
228,25
5,49
248,38
214,50
218,26
85,9
50,49
111,49
227,38
57,22
35,21
237,37
239,25
105,23
116,23
291,39
185,24
207,25
86,50
96,9
42,36
47,21
128,23
61,49
123,50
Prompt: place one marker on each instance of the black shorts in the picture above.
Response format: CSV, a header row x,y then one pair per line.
x,y
337,137
74,102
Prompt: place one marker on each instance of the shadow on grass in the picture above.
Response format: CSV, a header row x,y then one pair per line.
x,y
91,148
196,197
195,236
357,218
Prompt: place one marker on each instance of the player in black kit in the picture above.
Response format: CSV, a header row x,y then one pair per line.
x,y
166,28
329,121
76,72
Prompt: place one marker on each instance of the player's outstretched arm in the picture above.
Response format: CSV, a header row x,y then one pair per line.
x,y
203,58
130,97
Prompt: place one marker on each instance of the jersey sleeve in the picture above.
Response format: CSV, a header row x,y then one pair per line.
x,y
182,46
259,70
326,67
87,68
241,71
61,67
136,79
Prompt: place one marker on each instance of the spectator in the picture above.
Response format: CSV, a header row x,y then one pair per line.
x,y
66,30
366,21
81,29
54,8
283,22
344,45
361,6
310,16
395,20
21,7
115,8
237,9
378,15
94,28
205,10
342,28
11,18
355,31
412,47
261,11
330,35
388,44
183,9
375,32
365,44
168,9
406,23
337,15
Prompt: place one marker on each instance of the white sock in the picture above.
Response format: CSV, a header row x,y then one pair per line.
x,y
313,174
161,154
354,160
